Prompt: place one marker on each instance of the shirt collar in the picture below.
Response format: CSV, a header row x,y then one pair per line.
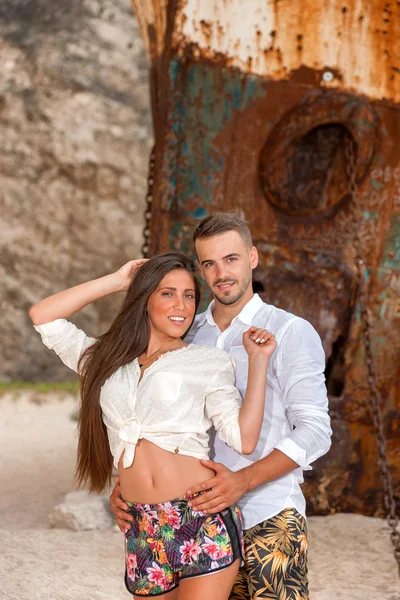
x,y
207,315
246,315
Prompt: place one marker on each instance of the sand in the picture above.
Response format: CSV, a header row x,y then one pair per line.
x,y
350,555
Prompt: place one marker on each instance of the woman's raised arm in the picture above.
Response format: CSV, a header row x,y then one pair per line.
x,y
239,423
259,345
64,304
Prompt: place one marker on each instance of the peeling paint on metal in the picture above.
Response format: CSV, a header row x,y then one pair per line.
x,y
357,40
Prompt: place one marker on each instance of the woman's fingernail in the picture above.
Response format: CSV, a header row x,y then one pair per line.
x,y
257,340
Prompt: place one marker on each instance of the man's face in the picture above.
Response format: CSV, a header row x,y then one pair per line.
x,y
226,262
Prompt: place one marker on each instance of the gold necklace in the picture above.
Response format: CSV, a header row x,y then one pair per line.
x,y
150,357
147,360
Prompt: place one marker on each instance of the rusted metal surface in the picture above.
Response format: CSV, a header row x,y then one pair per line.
x,y
152,16
269,138
282,39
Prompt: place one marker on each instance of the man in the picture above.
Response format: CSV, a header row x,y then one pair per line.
x,y
296,428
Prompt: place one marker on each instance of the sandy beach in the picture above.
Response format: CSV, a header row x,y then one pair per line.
x,y
350,555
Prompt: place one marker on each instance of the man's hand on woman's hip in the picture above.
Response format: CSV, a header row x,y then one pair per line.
x,y
226,488
119,508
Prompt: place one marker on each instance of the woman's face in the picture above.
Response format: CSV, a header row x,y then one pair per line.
x,y
172,306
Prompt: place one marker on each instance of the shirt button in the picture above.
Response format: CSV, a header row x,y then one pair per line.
x,y
176,450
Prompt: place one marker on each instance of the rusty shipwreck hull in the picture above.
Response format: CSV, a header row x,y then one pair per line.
x,y
254,103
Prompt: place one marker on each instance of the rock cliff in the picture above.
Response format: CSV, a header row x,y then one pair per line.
x,y
75,132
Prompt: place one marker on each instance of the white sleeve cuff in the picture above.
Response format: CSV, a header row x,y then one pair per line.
x,y
50,328
293,451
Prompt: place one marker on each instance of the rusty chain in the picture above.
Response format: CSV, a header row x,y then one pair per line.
x,y
376,405
149,202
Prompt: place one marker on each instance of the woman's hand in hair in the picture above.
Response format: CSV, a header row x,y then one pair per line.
x,y
128,271
64,304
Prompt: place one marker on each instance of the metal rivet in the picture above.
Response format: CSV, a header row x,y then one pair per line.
x,y
327,76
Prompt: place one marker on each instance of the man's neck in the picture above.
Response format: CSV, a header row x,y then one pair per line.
x,y
223,314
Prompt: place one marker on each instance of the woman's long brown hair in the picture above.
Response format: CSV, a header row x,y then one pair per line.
x,y
126,339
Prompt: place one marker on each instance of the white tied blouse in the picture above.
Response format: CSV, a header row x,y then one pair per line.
x,y
178,399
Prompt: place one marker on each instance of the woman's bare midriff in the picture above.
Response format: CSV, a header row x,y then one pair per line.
x,y
157,475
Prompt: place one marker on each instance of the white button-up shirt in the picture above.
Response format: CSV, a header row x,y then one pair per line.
x,y
296,419
179,398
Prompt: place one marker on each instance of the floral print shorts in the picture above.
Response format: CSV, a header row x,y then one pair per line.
x,y
169,542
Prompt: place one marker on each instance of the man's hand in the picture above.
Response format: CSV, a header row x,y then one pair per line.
x,y
119,508
226,488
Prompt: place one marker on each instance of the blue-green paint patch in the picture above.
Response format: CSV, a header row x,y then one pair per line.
x,y
200,212
181,238
369,215
205,100
377,185
391,257
175,69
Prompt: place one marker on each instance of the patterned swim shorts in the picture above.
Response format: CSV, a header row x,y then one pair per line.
x,y
169,542
275,559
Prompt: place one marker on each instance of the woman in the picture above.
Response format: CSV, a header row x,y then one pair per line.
x,y
155,397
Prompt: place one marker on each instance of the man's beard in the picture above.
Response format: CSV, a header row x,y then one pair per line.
x,y
228,299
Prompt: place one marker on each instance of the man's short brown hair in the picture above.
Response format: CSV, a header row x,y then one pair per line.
x,y
221,222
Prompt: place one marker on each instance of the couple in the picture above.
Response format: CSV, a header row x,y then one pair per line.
x,y
149,399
